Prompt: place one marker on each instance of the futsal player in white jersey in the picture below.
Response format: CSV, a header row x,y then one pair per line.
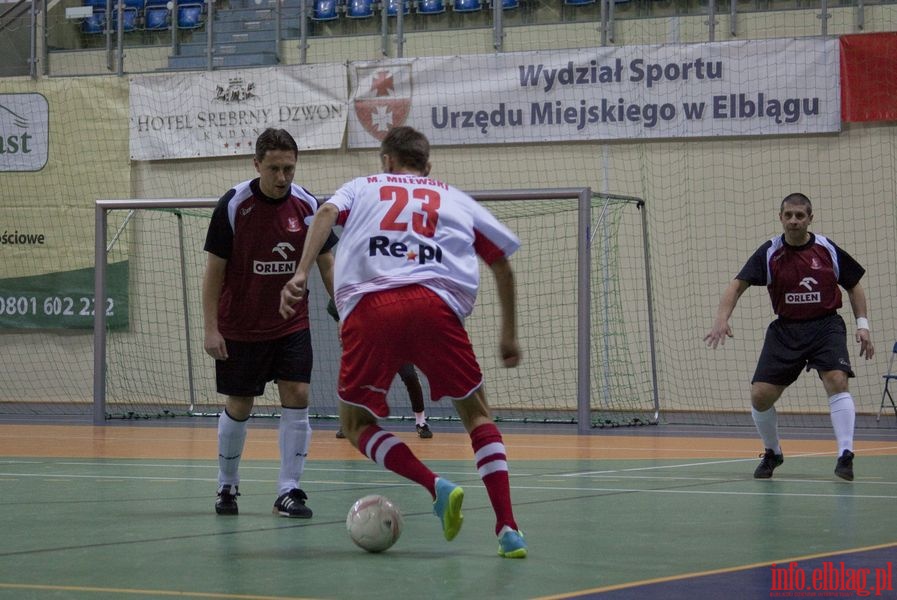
x,y
406,276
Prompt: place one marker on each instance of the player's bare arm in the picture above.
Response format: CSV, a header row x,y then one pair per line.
x,y
508,345
212,281
857,297
296,287
721,329
325,268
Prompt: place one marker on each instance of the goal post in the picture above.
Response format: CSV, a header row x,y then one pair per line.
x,y
582,338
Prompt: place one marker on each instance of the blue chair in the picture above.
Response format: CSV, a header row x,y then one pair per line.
x,y
129,22
95,23
891,376
392,7
467,5
360,9
325,10
156,17
190,16
578,2
431,7
510,4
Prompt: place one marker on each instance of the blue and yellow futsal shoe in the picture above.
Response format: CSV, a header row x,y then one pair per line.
x,y
512,545
447,507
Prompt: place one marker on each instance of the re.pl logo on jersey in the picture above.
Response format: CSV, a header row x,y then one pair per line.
x,y
831,580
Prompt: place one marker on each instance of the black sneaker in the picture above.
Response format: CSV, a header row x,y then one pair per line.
x,y
770,460
423,431
292,504
844,468
339,434
226,504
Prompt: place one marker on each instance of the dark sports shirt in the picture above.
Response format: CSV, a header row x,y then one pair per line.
x,y
261,238
802,280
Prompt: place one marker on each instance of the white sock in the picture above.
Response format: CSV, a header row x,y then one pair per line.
x,y
231,437
843,419
295,437
767,423
420,418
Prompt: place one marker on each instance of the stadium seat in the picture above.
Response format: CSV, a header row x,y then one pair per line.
x,y
467,5
431,7
889,377
130,19
392,7
360,9
95,23
510,4
190,16
156,17
578,2
325,10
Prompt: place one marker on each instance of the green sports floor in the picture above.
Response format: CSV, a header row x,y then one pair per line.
x,y
127,512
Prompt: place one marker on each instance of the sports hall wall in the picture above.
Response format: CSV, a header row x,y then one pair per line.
x,y
709,203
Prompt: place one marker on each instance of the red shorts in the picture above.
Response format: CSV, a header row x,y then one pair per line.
x,y
404,325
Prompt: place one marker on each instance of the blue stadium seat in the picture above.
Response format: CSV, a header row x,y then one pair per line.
x,y
467,5
392,7
129,22
578,2
95,23
325,10
156,17
190,16
431,7
360,9
510,4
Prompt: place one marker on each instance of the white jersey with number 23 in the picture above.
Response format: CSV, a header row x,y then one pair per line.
x,y
401,229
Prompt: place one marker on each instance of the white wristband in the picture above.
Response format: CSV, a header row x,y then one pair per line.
x,y
863,323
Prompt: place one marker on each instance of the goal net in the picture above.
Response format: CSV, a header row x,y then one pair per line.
x,y
594,374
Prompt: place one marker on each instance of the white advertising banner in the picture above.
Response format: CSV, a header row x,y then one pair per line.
x,y
221,113
744,88
24,132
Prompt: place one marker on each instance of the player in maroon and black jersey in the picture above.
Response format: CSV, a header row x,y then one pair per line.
x,y
803,272
254,243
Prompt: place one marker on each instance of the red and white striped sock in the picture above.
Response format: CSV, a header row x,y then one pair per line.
x,y
391,453
492,465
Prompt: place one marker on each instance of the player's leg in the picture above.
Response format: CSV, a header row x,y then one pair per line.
x,y
376,336
409,377
832,359
843,414
492,465
778,367
240,378
763,412
455,373
232,425
292,364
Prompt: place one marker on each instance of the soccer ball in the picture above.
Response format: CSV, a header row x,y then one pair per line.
x,y
374,523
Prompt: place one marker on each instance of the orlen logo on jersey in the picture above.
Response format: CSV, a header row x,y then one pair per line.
x,y
810,297
424,253
273,268
277,267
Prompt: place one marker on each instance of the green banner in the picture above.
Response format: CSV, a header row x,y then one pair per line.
x,y
63,300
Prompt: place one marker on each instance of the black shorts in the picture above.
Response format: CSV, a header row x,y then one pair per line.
x,y
250,365
792,346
